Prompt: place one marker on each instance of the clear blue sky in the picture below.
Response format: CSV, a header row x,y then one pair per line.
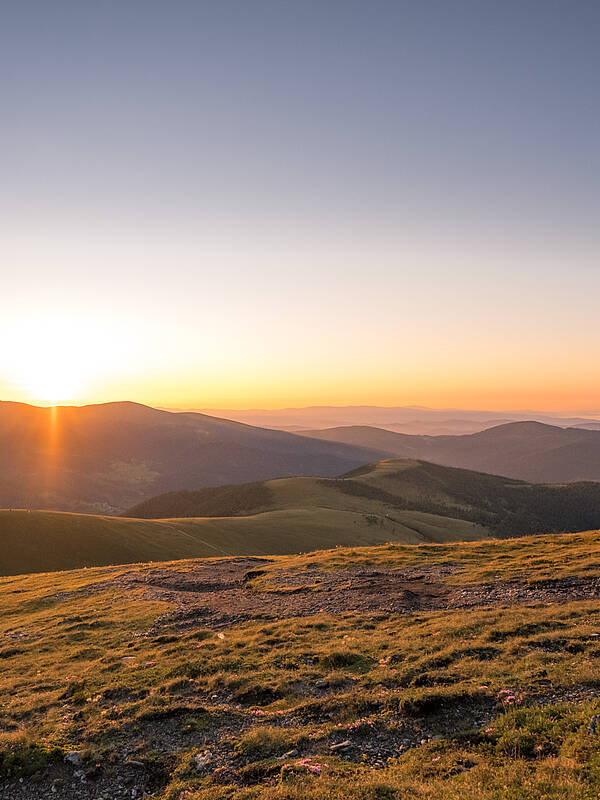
x,y
263,203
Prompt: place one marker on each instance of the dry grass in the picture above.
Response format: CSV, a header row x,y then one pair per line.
x,y
527,559
90,668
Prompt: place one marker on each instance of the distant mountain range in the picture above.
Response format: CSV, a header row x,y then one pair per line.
x,y
531,451
105,458
403,419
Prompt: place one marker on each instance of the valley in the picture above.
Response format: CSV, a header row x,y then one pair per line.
x,y
353,621
104,459
393,500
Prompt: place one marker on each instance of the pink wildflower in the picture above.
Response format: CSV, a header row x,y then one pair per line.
x,y
307,763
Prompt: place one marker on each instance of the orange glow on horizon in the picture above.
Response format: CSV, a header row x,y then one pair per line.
x,y
553,399
75,360
183,392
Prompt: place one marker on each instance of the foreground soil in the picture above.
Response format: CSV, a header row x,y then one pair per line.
x,y
378,673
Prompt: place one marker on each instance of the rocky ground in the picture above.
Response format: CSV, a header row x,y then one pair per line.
x,y
219,595
350,713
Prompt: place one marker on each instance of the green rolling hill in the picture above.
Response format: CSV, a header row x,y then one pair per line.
x,y
398,500
45,541
282,516
383,489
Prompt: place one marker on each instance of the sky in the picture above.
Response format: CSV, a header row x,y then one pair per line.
x,y
282,203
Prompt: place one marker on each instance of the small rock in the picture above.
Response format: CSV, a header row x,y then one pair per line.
x,y
73,757
290,754
202,760
94,772
321,684
80,773
340,746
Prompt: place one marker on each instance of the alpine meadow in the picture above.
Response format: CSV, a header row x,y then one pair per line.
x,y
299,414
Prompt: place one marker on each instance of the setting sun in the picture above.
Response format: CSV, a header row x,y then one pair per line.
x,y
53,360
46,361
52,384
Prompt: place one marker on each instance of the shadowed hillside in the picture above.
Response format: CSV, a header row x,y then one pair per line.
x,y
104,458
531,451
504,506
399,500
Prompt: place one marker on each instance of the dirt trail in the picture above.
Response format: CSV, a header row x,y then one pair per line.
x,y
220,595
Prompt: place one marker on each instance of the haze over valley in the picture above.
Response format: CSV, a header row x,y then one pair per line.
x,y
147,484
403,419
106,458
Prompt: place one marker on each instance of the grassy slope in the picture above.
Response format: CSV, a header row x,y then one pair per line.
x,y
53,540
88,671
391,500
503,505
527,559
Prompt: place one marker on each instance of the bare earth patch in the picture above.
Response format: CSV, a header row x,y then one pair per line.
x,y
250,680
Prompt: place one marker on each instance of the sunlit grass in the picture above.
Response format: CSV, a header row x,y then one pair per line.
x,y
511,692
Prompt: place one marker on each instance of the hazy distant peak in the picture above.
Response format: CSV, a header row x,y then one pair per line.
x,y
520,428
